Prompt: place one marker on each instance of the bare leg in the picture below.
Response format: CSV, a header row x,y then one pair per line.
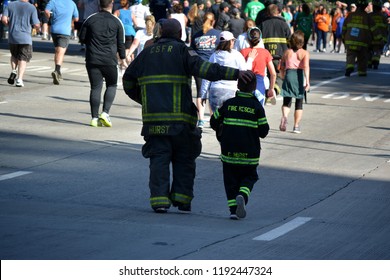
x,y
21,68
297,117
45,31
285,111
14,63
283,121
59,55
201,108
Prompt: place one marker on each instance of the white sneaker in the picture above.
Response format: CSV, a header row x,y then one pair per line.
x,y
19,83
105,119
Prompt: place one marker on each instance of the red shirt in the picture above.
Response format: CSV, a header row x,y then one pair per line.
x,y
260,62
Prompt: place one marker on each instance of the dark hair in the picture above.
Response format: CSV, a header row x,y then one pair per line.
x,y
254,36
248,86
297,40
305,9
247,23
177,8
105,3
224,46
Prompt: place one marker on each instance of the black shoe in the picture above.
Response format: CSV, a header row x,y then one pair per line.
x,y
56,77
12,77
181,206
348,72
375,66
184,207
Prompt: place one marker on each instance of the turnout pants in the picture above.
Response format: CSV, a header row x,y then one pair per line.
x,y
238,179
359,55
180,150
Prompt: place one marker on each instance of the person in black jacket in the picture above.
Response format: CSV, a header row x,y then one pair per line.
x,y
275,33
104,37
239,124
159,78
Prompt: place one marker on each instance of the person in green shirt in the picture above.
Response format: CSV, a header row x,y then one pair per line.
x,y
304,22
253,8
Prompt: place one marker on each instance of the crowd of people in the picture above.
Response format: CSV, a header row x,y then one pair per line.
x,y
161,46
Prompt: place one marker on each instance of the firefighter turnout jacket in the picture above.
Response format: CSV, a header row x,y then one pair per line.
x,y
239,124
160,78
380,30
275,33
358,30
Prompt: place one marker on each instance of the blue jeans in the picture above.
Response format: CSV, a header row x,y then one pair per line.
x,y
321,35
260,89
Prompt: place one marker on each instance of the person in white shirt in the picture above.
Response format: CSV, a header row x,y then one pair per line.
x,y
142,36
242,41
220,91
141,12
181,17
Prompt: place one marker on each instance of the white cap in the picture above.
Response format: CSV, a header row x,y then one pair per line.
x,y
387,5
226,36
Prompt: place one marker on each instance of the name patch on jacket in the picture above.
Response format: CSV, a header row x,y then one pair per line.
x,y
243,109
161,49
158,129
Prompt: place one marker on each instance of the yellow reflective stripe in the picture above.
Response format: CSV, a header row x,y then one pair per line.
x,y
216,114
234,160
245,190
144,99
229,73
232,202
355,43
178,197
204,68
169,116
381,25
357,25
176,98
156,79
160,201
274,40
240,122
262,121
244,94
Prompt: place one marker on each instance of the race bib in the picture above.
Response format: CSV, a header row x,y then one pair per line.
x,y
355,32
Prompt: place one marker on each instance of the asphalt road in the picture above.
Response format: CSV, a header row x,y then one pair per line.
x,y
70,191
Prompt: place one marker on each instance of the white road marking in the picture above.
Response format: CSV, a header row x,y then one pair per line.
x,y
326,82
283,229
13,175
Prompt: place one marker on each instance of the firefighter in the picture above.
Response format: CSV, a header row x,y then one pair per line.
x,y
160,79
357,34
239,125
275,33
379,39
